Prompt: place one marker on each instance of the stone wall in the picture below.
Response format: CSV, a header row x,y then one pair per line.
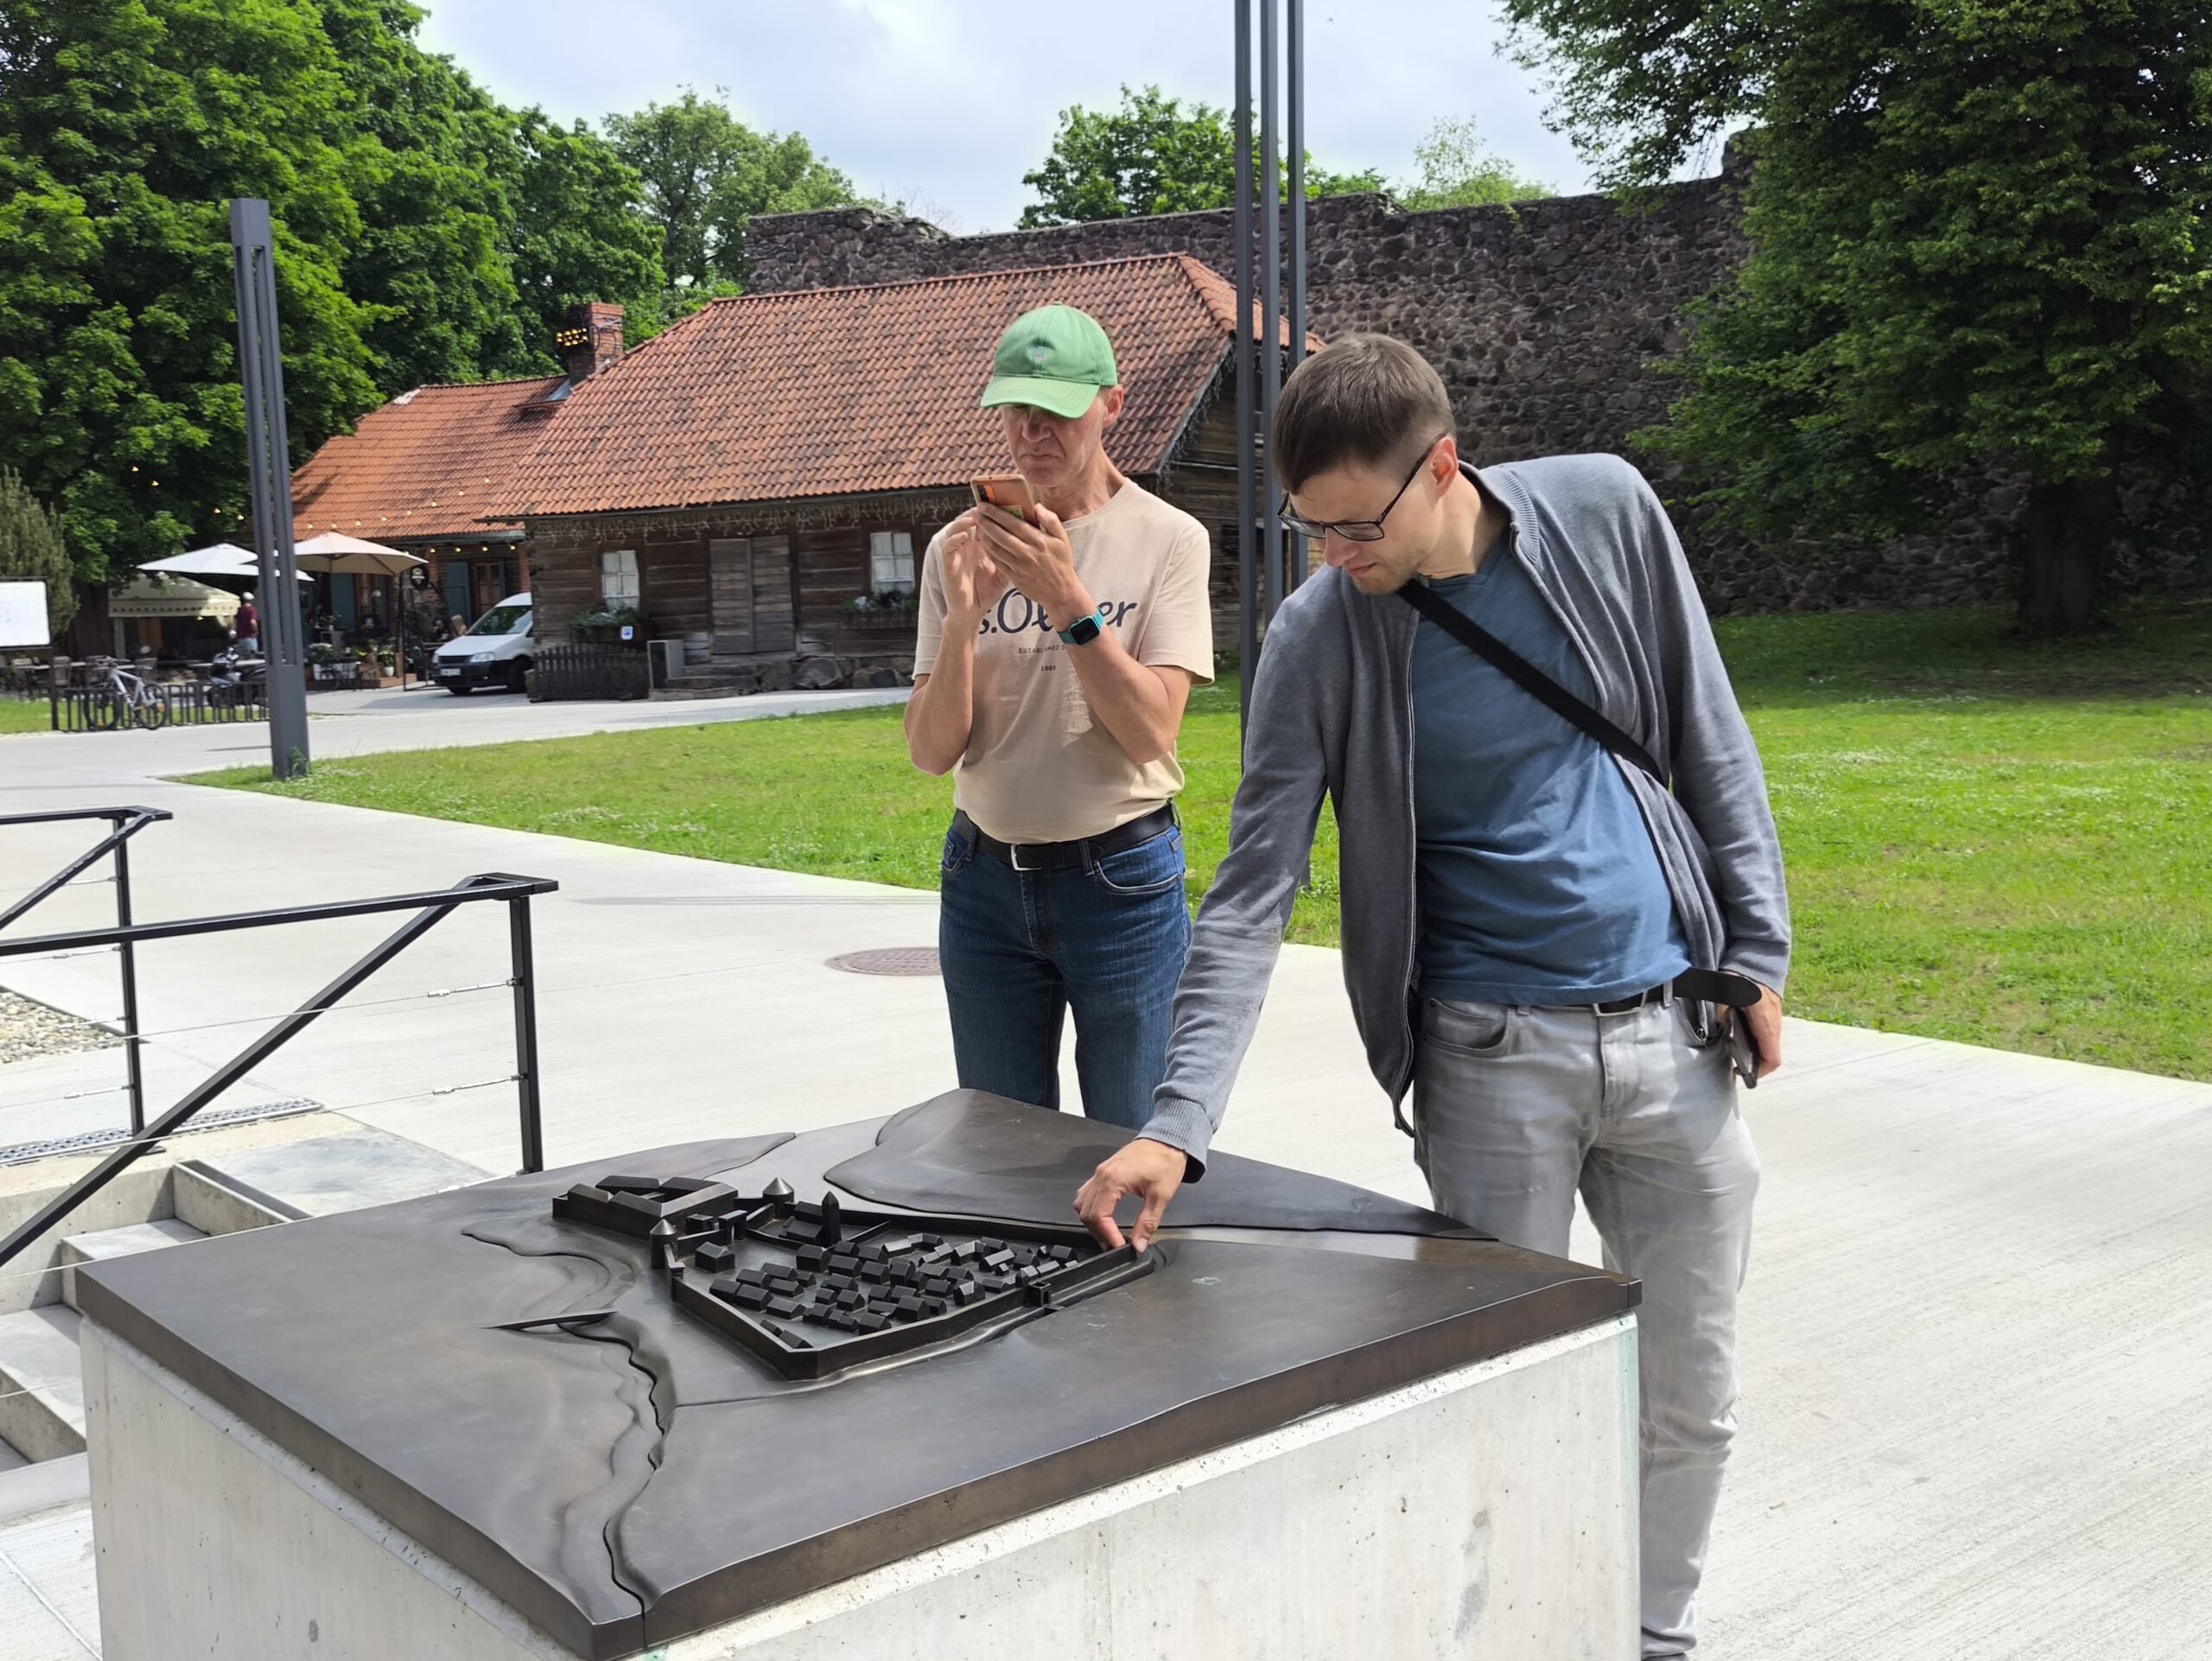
x,y
1543,319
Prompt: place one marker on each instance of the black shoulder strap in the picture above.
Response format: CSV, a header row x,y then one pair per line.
x,y
1525,675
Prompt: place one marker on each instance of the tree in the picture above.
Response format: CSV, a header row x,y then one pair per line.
x,y
1150,156
124,124
707,174
31,549
433,173
580,231
423,232
1455,169
1979,248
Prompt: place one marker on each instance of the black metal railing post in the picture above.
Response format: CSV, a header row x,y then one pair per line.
x,y
523,960
132,1062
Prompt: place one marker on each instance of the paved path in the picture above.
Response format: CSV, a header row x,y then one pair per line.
x,y
1977,1369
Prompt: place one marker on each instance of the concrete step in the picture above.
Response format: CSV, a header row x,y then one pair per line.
x,y
50,1597
30,1489
124,1241
320,1177
9,1459
205,1202
41,1389
680,692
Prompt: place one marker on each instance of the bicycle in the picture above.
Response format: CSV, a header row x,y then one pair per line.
x,y
129,701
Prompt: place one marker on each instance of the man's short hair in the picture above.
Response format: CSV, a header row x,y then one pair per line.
x,y
1363,399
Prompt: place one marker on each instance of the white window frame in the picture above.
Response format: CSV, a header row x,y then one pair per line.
x,y
890,562
618,579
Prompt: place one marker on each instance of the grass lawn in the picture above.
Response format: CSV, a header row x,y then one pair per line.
x,y
1987,841
25,715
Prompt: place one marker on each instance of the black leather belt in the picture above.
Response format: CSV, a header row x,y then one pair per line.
x,y
1078,856
1712,985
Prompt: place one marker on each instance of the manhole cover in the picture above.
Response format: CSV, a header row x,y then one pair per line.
x,y
889,960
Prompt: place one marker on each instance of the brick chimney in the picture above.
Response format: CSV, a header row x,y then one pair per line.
x,y
590,340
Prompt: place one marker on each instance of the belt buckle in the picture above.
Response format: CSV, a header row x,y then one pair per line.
x,y
1013,858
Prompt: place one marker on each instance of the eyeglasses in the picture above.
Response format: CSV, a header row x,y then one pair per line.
x,y
1359,530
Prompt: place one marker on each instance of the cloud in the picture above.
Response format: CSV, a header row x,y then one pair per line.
x,y
950,101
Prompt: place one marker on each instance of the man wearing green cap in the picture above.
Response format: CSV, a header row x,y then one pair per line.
x,y
1055,657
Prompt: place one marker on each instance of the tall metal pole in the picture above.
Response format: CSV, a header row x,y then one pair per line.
x,y
1294,89
1271,582
268,448
1248,544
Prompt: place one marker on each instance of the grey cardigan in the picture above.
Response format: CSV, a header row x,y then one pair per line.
x,y
1332,713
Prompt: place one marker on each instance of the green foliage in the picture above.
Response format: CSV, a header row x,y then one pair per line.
x,y
1980,246
422,233
1455,169
31,548
579,231
706,173
432,173
123,126
1151,157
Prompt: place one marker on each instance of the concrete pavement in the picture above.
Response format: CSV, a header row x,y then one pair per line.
x,y
1975,1370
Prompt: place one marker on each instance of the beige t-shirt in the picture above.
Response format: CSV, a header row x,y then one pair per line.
x,y
1039,767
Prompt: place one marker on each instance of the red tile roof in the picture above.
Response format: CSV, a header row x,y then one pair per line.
x,y
835,392
434,462
766,398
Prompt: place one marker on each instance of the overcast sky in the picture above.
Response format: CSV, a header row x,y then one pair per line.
x,y
945,104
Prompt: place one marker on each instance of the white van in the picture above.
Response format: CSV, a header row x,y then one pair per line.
x,y
496,650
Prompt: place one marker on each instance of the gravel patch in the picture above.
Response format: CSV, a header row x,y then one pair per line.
x,y
30,1029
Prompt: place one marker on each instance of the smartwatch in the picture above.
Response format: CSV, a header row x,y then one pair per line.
x,y
1085,630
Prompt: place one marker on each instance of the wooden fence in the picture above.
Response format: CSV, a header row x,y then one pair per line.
x,y
563,673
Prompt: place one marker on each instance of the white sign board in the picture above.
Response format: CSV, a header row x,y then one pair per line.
x,y
22,613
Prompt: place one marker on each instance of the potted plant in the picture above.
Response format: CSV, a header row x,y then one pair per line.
x,y
604,626
887,611
331,664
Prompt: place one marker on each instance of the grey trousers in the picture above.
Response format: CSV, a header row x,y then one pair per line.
x,y
1514,1110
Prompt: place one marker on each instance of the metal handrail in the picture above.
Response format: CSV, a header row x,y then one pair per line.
x,y
431,908
128,822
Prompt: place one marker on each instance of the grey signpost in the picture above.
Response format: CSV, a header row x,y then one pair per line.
x,y
1268,564
261,368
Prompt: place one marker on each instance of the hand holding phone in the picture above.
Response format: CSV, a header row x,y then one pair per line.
x,y
1009,491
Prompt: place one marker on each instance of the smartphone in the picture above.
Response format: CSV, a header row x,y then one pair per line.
x,y
1742,1054
1008,490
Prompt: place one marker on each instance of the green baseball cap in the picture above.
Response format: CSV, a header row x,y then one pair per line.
x,y
1055,359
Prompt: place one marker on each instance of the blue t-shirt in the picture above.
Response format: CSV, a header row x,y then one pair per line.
x,y
1537,879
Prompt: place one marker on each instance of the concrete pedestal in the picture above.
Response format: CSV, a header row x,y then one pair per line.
x,y
1487,1513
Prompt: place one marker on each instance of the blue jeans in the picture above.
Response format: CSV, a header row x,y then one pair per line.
x,y
1019,949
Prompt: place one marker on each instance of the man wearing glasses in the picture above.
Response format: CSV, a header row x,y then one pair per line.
x,y
1545,879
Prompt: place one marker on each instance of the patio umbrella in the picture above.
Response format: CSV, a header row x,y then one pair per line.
x,y
178,596
343,555
223,559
